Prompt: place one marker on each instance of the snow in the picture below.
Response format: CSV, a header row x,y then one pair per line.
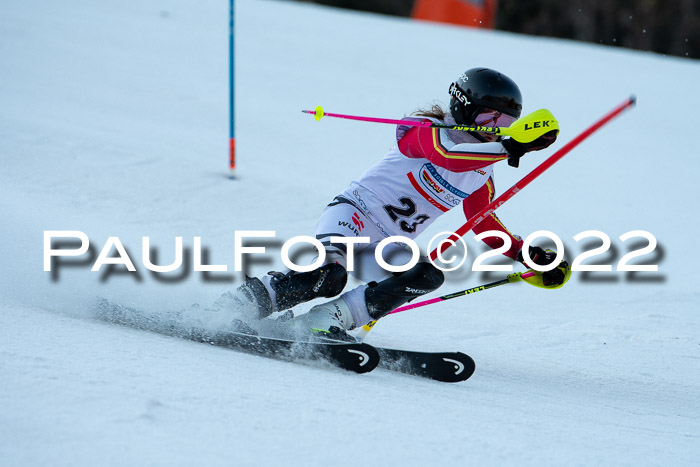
x,y
114,122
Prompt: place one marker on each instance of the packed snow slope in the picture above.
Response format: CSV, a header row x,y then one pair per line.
x,y
114,122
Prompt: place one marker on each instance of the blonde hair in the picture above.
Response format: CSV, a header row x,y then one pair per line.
x,y
434,111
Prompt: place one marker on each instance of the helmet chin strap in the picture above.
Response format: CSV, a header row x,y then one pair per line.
x,y
478,136
483,137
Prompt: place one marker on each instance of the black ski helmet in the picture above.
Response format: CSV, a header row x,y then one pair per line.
x,y
482,87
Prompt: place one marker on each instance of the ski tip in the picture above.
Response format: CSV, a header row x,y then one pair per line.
x,y
368,358
633,99
463,367
357,357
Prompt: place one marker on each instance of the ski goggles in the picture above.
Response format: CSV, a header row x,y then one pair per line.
x,y
493,118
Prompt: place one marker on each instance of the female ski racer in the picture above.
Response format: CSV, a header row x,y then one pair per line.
x,y
428,172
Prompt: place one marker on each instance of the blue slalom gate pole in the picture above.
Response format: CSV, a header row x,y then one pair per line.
x,y
232,92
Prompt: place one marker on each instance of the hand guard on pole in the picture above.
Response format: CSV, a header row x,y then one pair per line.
x,y
553,278
516,149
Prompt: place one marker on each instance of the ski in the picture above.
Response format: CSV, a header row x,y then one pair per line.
x,y
353,356
358,357
448,367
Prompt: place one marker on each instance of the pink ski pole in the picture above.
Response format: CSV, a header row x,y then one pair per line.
x,y
511,278
525,129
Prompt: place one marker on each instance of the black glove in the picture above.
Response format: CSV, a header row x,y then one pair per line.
x,y
542,258
516,149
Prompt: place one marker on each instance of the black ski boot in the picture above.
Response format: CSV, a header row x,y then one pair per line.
x,y
294,288
383,297
251,298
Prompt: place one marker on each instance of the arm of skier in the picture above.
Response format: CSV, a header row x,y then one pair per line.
x,y
475,203
427,143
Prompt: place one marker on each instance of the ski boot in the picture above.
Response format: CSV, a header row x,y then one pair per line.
x,y
334,334
290,289
332,320
251,299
